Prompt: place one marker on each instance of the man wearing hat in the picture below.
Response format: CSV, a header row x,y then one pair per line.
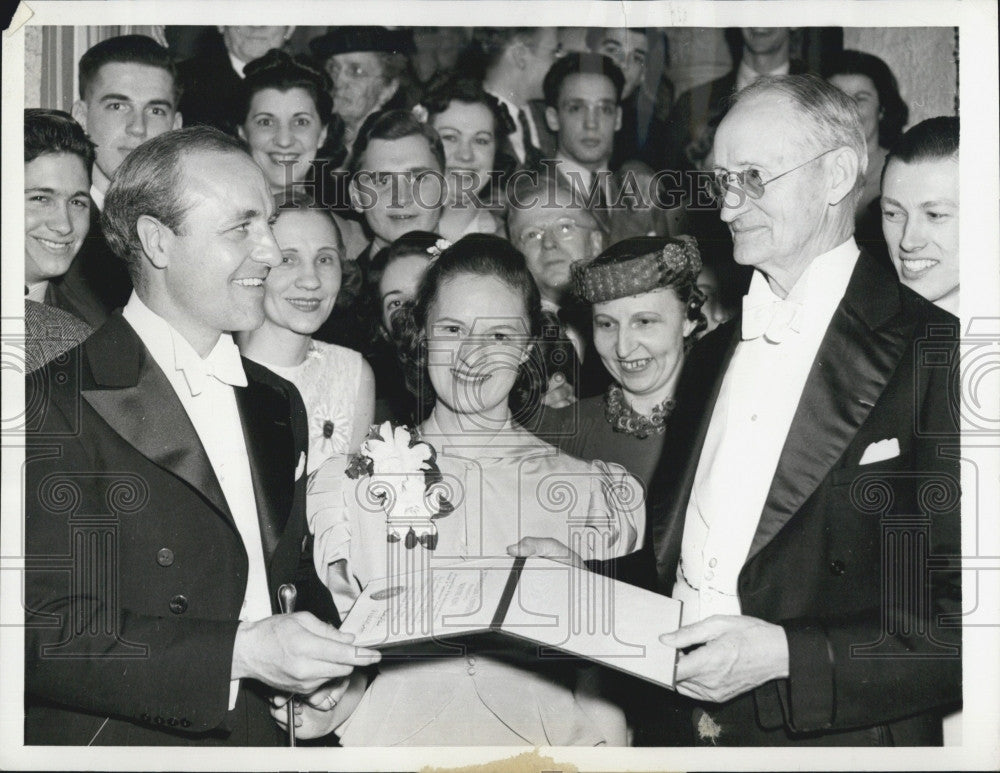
x,y
366,65
213,82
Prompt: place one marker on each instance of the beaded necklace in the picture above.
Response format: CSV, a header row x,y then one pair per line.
x,y
623,418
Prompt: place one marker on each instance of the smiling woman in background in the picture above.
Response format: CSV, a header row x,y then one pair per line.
x,y
471,125
284,123
337,385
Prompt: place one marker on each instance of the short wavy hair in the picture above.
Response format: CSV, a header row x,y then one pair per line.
x,y
894,111
832,116
479,255
53,131
392,125
299,199
282,72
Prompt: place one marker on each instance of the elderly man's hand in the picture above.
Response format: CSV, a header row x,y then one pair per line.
x,y
558,393
737,654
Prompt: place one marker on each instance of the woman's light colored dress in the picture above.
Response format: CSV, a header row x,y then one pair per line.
x,y
495,692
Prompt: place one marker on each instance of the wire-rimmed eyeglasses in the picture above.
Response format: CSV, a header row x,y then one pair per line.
x,y
750,181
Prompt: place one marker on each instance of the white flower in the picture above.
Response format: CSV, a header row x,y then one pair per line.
x,y
391,454
420,113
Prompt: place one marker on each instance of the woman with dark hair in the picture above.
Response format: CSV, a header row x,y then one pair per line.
x,y
647,313
286,109
336,384
469,336
393,277
870,83
472,126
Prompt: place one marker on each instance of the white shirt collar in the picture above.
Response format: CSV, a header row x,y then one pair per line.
x,y
36,292
818,290
745,74
237,63
567,164
97,197
172,352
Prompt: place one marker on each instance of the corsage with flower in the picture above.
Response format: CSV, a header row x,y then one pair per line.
x,y
405,478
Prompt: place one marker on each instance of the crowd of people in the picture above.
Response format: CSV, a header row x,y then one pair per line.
x,y
704,314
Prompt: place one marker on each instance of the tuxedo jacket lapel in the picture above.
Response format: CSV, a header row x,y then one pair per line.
x,y
859,353
271,451
134,397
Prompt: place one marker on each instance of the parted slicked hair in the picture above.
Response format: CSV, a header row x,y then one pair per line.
x,y
392,125
126,49
283,72
833,117
483,255
53,131
579,63
150,182
893,113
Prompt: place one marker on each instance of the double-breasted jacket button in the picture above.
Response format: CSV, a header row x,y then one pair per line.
x,y
164,556
179,604
837,568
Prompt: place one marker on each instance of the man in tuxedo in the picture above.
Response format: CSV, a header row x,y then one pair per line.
x,y
165,484
128,94
517,59
820,581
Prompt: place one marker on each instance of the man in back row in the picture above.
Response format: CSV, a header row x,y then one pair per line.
x,y
182,467
128,94
821,583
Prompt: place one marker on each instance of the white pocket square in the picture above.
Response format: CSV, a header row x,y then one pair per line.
x,y
301,466
880,451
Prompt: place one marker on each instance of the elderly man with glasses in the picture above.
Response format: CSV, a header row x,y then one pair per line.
x,y
791,511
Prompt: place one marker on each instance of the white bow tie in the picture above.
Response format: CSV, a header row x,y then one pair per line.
x,y
223,364
774,320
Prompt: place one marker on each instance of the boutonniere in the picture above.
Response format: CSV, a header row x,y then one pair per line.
x,y
404,475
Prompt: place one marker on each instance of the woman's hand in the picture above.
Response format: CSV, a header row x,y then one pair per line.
x,y
549,548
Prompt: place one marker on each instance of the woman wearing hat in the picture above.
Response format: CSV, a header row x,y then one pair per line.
x,y
369,70
646,309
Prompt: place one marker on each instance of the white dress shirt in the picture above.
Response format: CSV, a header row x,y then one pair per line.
x,y
97,197
36,292
237,63
757,401
745,74
517,137
211,405
574,170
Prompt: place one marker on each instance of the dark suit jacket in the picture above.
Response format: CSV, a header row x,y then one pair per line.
x,y
136,570
213,92
97,281
866,588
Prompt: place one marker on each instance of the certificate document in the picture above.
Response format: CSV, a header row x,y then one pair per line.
x,y
552,604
